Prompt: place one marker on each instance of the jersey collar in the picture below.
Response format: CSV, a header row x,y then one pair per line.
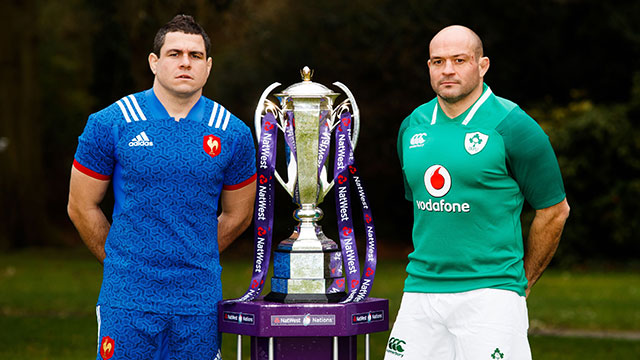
x,y
159,112
466,116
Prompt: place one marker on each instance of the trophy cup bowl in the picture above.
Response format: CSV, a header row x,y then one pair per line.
x,y
308,265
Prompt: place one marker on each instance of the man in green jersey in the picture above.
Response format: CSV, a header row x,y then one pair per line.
x,y
470,159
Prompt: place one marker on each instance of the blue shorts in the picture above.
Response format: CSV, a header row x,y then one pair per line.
x,y
137,335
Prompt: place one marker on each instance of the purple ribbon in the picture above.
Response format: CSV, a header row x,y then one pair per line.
x,y
324,141
371,250
290,141
343,159
263,217
358,287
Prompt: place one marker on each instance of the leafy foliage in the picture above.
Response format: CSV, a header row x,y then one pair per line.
x,y
567,62
597,148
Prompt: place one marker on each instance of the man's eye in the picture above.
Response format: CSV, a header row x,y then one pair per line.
x,y
436,62
459,61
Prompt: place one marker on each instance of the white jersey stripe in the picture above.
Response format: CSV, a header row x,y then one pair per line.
x,y
226,121
99,320
435,114
124,111
476,106
471,113
138,109
133,113
219,117
213,112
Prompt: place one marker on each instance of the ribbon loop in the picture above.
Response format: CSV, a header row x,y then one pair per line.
x,y
263,216
358,284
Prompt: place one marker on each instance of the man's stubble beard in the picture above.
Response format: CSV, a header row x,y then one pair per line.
x,y
452,99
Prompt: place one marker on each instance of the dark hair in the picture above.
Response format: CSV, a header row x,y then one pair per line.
x,y
180,23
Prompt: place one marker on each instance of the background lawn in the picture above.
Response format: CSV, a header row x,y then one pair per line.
x,y
47,308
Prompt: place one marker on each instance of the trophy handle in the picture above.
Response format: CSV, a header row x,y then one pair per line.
x,y
292,175
265,105
325,185
356,114
257,118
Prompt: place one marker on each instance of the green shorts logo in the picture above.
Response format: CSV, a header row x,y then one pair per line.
x,y
396,344
497,354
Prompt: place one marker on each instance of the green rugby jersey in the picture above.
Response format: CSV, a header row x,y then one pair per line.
x,y
468,178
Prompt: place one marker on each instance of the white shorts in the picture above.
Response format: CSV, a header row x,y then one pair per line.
x,y
484,324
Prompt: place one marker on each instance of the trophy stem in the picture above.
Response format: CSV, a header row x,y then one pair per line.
x,y
307,264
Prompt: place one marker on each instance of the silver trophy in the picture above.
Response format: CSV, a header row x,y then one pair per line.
x,y
308,265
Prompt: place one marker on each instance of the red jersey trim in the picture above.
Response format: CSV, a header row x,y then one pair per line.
x,y
242,184
89,172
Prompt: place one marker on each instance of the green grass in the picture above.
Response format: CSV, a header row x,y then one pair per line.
x,y
47,307
586,300
552,348
47,304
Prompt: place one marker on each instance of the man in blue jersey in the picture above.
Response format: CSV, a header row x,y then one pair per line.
x,y
470,159
172,156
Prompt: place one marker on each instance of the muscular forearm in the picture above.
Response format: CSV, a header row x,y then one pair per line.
x,y
237,211
85,196
229,228
93,227
543,240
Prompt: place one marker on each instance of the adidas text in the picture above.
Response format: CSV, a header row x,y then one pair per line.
x,y
141,140
141,143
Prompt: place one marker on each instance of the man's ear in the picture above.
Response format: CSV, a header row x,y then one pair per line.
x,y
153,62
484,65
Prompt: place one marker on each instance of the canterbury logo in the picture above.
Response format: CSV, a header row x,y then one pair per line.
x,y
396,344
141,140
417,140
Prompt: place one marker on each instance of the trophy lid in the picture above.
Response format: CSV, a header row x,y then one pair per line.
x,y
307,88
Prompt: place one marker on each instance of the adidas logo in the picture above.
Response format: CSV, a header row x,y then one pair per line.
x,y
141,140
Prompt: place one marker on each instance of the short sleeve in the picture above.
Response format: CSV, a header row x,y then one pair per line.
x,y
531,160
95,152
242,167
408,194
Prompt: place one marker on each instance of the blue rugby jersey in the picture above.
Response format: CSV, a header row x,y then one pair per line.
x,y
162,249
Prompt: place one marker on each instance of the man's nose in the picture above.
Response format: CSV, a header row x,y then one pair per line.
x,y
448,67
185,61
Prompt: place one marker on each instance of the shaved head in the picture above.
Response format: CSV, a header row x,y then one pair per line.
x,y
459,33
457,67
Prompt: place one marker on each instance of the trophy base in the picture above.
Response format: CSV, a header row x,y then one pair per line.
x,y
304,298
